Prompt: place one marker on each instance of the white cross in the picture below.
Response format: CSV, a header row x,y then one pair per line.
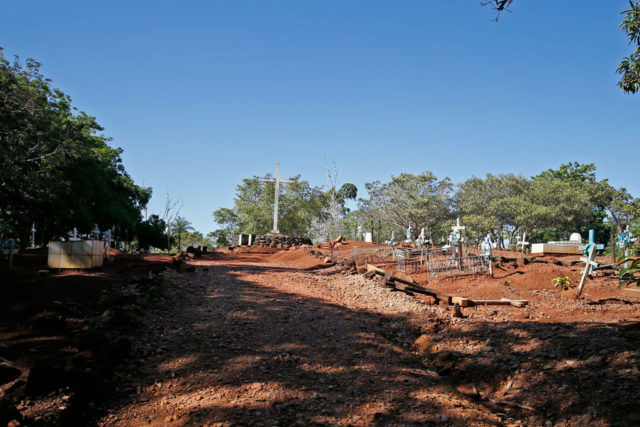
x,y
521,241
588,267
277,180
458,227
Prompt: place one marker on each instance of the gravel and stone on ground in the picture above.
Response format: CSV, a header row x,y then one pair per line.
x,y
284,339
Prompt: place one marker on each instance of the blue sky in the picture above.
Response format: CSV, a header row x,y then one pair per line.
x,y
201,94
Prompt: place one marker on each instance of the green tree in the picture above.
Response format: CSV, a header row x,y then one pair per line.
x,y
57,169
348,191
629,68
253,207
179,226
195,239
578,198
410,200
488,206
151,232
550,209
220,237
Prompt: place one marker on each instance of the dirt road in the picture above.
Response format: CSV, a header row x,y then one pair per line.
x,y
244,342
251,339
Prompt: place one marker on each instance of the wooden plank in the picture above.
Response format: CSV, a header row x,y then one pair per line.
x,y
462,302
407,288
503,301
632,291
381,272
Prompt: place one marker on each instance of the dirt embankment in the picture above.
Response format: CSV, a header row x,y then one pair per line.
x,y
63,335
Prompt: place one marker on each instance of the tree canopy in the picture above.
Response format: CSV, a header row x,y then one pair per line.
x,y
547,206
410,200
252,212
57,168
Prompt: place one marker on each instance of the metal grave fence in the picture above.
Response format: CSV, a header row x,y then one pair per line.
x,y
372,254
408,261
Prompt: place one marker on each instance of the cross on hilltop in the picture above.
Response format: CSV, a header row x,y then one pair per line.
x,y
277,180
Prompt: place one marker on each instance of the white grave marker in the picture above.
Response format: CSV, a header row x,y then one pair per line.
x,y
588,259
522,242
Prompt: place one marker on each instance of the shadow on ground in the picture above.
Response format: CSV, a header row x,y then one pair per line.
x,y
228,348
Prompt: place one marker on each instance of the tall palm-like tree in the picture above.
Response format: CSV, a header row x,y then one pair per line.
x,y
179,226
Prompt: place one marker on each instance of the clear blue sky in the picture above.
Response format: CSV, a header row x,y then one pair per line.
x,y
202,94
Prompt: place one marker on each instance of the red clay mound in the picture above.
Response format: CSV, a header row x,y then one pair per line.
x,y
297,258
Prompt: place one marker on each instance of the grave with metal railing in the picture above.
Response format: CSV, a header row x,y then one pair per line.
x,y
440,263
372,254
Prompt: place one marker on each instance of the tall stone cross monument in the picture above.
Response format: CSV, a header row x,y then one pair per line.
x,y
277,180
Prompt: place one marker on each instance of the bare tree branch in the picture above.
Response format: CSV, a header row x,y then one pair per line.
x,y
498,5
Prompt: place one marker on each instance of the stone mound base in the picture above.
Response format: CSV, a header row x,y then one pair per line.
x,y
269,241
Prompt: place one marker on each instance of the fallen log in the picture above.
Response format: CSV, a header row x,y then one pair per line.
x,y
635,292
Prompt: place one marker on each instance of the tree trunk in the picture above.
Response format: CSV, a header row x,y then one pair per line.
x,y
613,245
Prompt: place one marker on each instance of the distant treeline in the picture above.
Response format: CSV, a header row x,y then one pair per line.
x,y
548,206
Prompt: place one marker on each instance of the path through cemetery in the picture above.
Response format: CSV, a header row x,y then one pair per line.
x,y
252,339
243,342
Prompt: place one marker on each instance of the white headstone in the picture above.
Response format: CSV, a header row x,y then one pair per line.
x,y
368,237
575,237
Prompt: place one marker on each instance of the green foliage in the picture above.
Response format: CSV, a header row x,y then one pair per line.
x,y
179,226
151,232
631,274
489,205
57,169
629,67
417,200
549,206
570,199
220,237
253,207
347,191
562,281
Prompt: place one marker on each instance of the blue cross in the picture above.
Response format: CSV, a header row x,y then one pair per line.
x,y
591,242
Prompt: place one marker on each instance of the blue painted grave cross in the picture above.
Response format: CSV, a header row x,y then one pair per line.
x,y
624,242
588,258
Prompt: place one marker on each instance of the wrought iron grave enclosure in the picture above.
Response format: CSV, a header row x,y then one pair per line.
x,y
441,264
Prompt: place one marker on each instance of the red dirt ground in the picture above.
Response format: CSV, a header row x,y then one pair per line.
x,y
261,337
